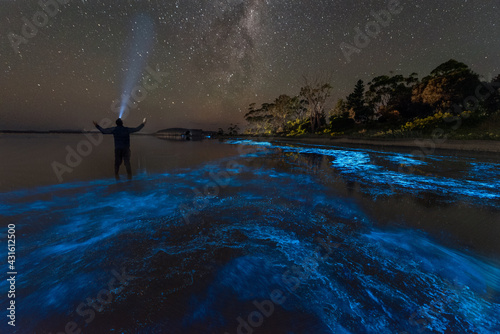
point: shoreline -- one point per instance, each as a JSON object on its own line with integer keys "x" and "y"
{"x": 484, "y": 146}
{"x": 488, "y": 146}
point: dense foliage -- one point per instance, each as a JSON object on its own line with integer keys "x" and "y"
{"x": 388, "y": 105}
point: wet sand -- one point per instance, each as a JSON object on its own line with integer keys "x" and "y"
{"x": 457, "y": 145}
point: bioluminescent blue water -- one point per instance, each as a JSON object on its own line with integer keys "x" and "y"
{"x": 388, "y": 172}
{"x": 279, "y": 239}
{"x": 140, "y": 46}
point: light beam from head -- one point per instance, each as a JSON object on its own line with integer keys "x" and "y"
{"x": 140, "y": 45}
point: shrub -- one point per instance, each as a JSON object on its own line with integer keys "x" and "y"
{"x": 341, "y": 123}
{"x": 298, "y": 127}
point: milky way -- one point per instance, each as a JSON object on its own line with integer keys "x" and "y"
{"x": 216, "y": 57}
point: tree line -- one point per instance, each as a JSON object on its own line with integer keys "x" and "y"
{"x": 388, "y": 101}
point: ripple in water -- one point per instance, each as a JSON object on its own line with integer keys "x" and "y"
{"x": 273, "y": 249}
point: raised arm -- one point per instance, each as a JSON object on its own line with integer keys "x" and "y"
{"x": 139, "y": 128}
{"x": 106, "y": 131}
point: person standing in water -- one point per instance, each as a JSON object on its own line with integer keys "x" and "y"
{"x": 121, "y": 135}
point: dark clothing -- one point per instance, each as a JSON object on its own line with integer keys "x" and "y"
{"x": 121, "y": 134}
{"x": 122, "y": 154}
{"x": 122, "y": 145}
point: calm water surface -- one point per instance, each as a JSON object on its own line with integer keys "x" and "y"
{"x": 251, "y": 237}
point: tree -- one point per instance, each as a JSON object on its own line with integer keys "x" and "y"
{"x": 356, "y": 102}
{"x": 315, "y": 96}
{"x": 259, "y": 119}
{"x": 448, "y": 85}
{"x": 282, "y": 110}
{"x": 232, "y": 130}
{"x": 388, "y": 96}
{"x": 492, "y": 91}
{"x": 300, "y": 108}
{"x": 340, "y": 109}
{"x": 341, "y": 119}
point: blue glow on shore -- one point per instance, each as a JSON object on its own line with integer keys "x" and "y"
{"x": 266, "y": 220}
{"x": 373, "y": 168}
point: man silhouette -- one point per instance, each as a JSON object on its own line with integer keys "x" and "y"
{"x": 121, "y": 135}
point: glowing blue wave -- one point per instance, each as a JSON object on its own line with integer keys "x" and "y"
{"x": 266, "y": 221}
{"x": 387, "y": 172}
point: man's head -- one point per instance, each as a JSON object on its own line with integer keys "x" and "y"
{"x": 119, "y": 122}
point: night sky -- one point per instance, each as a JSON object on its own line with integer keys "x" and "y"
{"x": 217, "y": 57}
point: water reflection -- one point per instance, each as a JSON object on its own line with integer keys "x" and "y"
{"x": 423, "y": 196}
{"x": 185, "y": 137}
{"x": 349, "y": 251}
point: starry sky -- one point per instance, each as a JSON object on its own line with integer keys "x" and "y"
{"x": 213, "y": 58}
